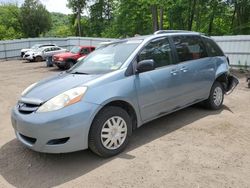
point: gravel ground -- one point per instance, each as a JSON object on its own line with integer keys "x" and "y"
{"x": 190, "y": 148}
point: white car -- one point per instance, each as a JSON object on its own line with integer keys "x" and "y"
{"x": 41, "y": 54}
{"x": 36, "y": 46}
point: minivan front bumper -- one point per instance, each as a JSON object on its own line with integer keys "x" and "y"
{"x": 60, "y": 131}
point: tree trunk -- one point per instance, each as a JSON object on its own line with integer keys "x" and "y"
{"x": 198, "y": 18}
{"x": 161, "y": 18}
{"x": 210, "y": 26}
{"x": 192, "y": 12}
{"x": 155, "y": 17}
{"x": 79, "y": 21}
{"x": 233, "y": 17}
{"x": 170, "y": 19}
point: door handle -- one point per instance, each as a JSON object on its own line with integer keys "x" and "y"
{"x": 174, "y": 72}
{"x": 183, "y": 69}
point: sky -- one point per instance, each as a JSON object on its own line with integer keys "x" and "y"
{"x": 51, "y": 5}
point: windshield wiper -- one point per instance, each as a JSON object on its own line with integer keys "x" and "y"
{"x": 77, "y": 72}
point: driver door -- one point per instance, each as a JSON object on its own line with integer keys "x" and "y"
{"x": 158, "y": 90}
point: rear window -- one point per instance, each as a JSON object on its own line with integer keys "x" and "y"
{"x": 189, "y": 48}
{"x": 212, "y": 48}
{"x": 85, "y": 51}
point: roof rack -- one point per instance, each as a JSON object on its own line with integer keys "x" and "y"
{"x": 172, "y": 31}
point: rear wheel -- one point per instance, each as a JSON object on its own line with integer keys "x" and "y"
{"x": 110, "y": 131}
{"x": 216, "y": 97}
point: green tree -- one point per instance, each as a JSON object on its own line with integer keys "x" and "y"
{"x": 61, "y": 26}
{"x": 130, "y": 18}
{"x": 35, "y": 18}
{"x": 10, "y": 27}
{"x": 101, "y": 14}
{"x": 77, "y": 7}
{"x": 241, "y": 16}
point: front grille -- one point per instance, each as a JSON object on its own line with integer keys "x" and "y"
{"x": 26, "y": 108}
{"x": 28, "y": 139}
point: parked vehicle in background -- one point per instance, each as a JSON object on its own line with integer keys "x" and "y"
{"x": 40, "y": 54}
{"x": 100, "y": 101}
{"x": 36, "y": 46}
{"x": 68, "y": 59}
{"x": 248, "y": 80}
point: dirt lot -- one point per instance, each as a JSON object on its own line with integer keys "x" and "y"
{"x": 190, "y": 148}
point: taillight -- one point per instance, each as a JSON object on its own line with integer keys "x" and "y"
{"x": 228, "y": 60}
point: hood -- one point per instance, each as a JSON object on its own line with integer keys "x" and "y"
{"x": 25, "y": 50}
{"x": 65, "y": 55}
{"x": 30, "y": 52}
{"x": 51, "y": 87}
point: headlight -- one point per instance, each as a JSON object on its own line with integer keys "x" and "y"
{"x": 28, "y": 89}
{"x": 65, "y": 99}
{"x": 60, "y": 59}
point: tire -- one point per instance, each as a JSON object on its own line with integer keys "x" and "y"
{"x": 104, "y": 139}
{"x": 38, "y": 58}
{"x": 69, "y": 64}
{"x": 60, "y": 67}
{"x": 216, "y": 97}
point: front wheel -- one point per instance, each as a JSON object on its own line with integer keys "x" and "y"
{"x": 216, "y": 97}
{"x": 110, "y": 131}
{"x": 38, "y": 58}
{"x": 69, "y": 64}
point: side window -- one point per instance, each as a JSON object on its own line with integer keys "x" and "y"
{"x": 189, "y": 48}
{"x": 212, "y": 48}
{"x": 159, "y": 50}
{"x": 55, "y": 49}
{"x": 84, "y": 51}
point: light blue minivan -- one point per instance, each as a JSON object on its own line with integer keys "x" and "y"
{"x": 100, "y": 101}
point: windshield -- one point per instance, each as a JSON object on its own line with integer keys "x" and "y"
{"x": 38, "y": 49}
{"x": 106, "y": 59}
{"x": 75, "y": 50}
{"x": 35, "y": 46}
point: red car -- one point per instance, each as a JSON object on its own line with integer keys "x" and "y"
{"x": 68, "y": 59}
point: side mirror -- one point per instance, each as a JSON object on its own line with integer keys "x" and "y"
{"x": 145, "y": 65}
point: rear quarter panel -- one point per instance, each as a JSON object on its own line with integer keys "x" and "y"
{"x": 221, "y": 66}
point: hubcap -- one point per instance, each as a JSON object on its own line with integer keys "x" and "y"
{"x": 217, "y": 96}
{"x": 114, "y": 132}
